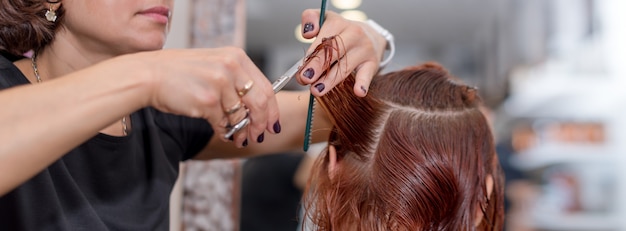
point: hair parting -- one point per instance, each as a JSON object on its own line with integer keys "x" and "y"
{"x": 414, "y": 154}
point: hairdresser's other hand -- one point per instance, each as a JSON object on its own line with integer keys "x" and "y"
{"x": 204, "y": 83}
{"x": 360, "y": 49}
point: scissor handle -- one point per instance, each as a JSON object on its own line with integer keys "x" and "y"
{"x": 243, "y": 123}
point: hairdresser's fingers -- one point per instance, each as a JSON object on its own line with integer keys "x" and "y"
{"x": 234, "y": 82}
{"x": 364, "y": 74}
{"x": 186, "y": 82}
{"x": 255, "y": 92}
{"x": 208, "y": 103}
{"x": 235, "y": 111}
{"x": 333, "y": 23}
{"x": 218, "y": 120}
{"x": 318, "y": 60}
{"x": 332, "y": 76}
{"x": 360, "y": 57}
{"x": 204, "y": 83}
{"x": 229, "y": 77}
{"x": 310, "y": 23}
{"x": 349, "y": 37}
{"x": 262, "y": 103}
{"x": 364, "y": 70}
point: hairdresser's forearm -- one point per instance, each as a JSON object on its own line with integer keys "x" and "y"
{"x": 293, "y": 112}
{"x": 41, "y": 122}
{"x": 294, "y": 116}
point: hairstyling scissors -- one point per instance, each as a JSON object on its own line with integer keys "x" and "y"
{"x": 277, "y": 85}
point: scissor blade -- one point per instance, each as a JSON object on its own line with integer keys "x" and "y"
{"x": 284, "y": 79}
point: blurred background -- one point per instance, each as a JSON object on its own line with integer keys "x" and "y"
{"x": 552, "y": 74}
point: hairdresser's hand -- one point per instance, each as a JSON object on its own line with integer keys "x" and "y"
{"x": 204, "y": 83}
{"x": 358, "y": 47}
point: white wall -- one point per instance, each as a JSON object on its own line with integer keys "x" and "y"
{"x": 181, "y": 23}
{"x": 178, "y": 37}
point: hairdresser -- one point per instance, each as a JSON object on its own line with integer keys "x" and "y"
{"x": 96, "y": 118}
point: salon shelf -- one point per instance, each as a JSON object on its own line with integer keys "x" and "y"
{"x": 549, "y": 154}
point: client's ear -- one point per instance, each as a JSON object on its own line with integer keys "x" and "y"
{"x": 332, "y": 161}
{"x": 479, "y": 212}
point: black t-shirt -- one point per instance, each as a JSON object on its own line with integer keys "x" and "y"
{"x": 107, "y": 183}
{"x": 269, "y": 198}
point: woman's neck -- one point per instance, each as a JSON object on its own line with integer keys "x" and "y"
{"x": 64, "y": 56}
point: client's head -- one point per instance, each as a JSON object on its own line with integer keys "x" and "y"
{"x": 415, "y": 154}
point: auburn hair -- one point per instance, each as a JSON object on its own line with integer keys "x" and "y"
{"x": 23, "y": 25}
{"x": 414, "y": 154}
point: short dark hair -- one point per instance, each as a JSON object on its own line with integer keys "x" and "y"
{"x": 24, "y": 27}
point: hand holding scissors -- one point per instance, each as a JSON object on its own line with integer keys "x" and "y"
{"x": 278, "y": 85}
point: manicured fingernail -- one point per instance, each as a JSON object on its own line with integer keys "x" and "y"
{"x": 277, "y": 127}
{"x": 309, "y": 72}
{"x": 320, "y": 87}
{"x": 245, "y": 143}
{"x": 260, "y": 138}
{"x": 363, "y": 89}
{"x": 307, "y": 27}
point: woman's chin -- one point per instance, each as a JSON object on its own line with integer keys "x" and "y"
{"x": 150, "y": 45}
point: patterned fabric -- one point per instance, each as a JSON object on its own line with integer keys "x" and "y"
{"x": 217, "y": 23}
{"x": 211, "y": 188}
{"x": 211, "y": 193}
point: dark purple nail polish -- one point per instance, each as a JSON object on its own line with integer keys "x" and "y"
{"x": 245, "y": 143}
{"x": 307, "y": 27}
{"x": 277, "y": 127}
{"x": 320, "y": 87}
{"x": 260, "y": 138}
{"x": 363, "y": 89}
{"x": 309, "y": 73}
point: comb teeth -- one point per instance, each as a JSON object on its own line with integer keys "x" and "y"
{"x": 309, "y": 117}
{"x": 309, "y": 123}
